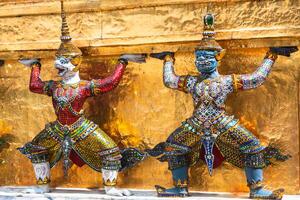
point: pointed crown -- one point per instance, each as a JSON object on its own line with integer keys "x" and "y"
{"x": 208, "y": 41}
{"x": 66, "y": 48}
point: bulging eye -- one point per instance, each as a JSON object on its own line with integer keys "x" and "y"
{"x": 63, "y": 62}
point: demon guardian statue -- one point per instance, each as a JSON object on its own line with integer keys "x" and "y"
{"x": 210, "y": 133}
{"x": 72, "y": 137}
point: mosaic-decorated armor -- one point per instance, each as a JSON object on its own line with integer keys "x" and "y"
{"x": 71, "y": 129}
{"x": 72, "y": 137}
{"x": 210, "y": 133}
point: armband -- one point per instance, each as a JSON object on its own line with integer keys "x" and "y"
{"x": 47, "y": 87}
{"x": 182, "y": 83}
{"x": 236, "y": 82}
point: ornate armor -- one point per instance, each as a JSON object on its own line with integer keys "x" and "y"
{"x": 72, "y": 137}
{"x": 211, "y": 134}
{"x": 210, "y": 125}
{"x": 85, "y": 139}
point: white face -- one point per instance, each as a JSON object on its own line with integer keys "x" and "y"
{"x": 65, "y": 67}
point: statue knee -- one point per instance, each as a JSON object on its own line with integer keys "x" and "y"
{"x": 176, "y": 162}
{"x": 111, "y": 158}
{"x": 255, "y": 160}
{"x": 252, "y": 146}
{"x": 36, "y": 153}
{"x": 176, "y": 149}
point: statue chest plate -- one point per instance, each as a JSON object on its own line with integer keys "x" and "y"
{"x": 210, "y": 91}
{"x": 64, "y": 97}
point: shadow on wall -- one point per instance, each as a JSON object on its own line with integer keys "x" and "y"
{"x": 101, "y": 109}
{"x": 5, "y": 138}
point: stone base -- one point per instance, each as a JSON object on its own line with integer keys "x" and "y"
{"x": 90, "y": 194}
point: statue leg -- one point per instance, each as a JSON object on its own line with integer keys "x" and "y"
{"x": 110, "y": 167}
{"x": 242, "y": 149}
{"x": 102, "y": 154}
{"x": 110, "y": 181}
{"x": 42, "y": 174}
{"x": 39, "y": 157}
{"x": 254, "y": 163}
{"x": 254, "y": 176}
{"x": 177, "y": 151}
{"x": 180, "y": 180}
{"x": 43, "y": 151}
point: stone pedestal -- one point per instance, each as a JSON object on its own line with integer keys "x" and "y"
{"x": 93, "y": 194}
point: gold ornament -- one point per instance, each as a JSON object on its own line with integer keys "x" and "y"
{"x": 66, "y": 48}
{"x": 220, "y": 55}
{"x": 208, "y": 41}
{"x": 110, "y": 182}
{"x": 42, "y": 182}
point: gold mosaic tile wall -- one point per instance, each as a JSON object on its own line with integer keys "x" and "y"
{"x": 142, "y": 112}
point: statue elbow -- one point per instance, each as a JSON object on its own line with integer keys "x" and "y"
{"x": 167, "y": 84}
{"x": 170, "y": 84}
{"x": 258, "y": 81}
{"x": 33, "y": 88}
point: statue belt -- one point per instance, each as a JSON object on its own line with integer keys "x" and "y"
{"x": 209, "y": 130}
{"x": 76, "y": 131}
{"x": 71, "y": 127}
{"x": 214, "y": 126}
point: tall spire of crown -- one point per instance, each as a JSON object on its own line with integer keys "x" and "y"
{"x": 65, "y": 34}
{"x": 208, "y": 41}
{"x": 66, "y": 48}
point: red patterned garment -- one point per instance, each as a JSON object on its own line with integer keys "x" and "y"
{"x": 68, "y": 100}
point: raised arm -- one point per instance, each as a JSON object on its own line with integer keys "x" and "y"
{"x": 36, "y": 85}
{"x": 258, "y": 77}
{"x": 170, "y": 79}
{"x": 109, "y": 83}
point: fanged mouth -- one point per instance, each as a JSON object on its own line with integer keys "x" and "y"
{"x": 206, "y": 65}
{"x": 60, "y": 70}
{"x": 203, "y": 62}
